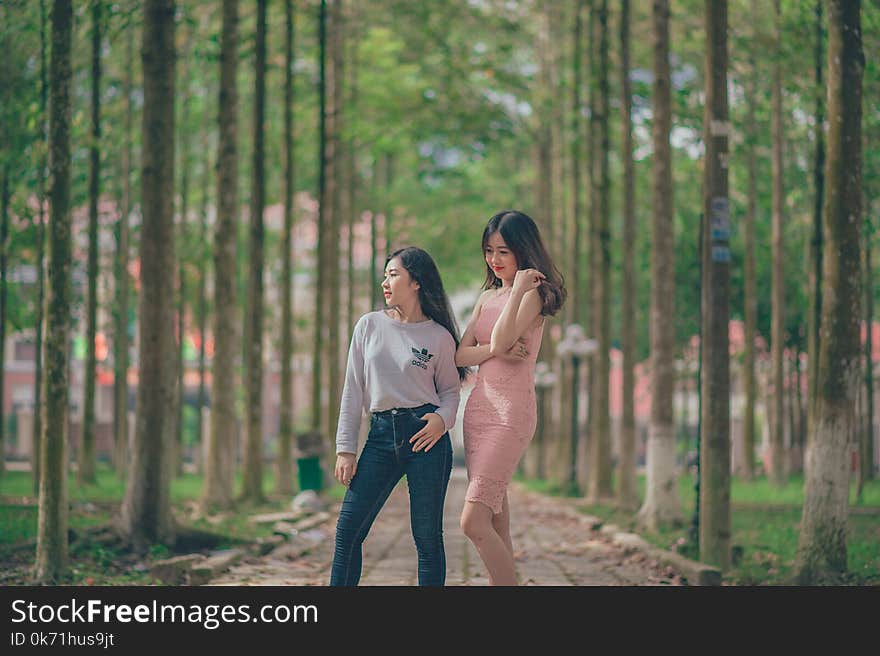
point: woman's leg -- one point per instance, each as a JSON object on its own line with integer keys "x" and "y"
{"x": 377, "y": 474}
{"x": 427, "y": 476}
{"x": 477, "y": 524}
{"x": 501, "y": 524}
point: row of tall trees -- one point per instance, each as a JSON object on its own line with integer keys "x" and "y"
{"x": 417, "y": 127}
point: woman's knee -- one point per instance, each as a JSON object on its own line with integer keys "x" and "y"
{"x": 475, "y": 524}
{"x": 347, "y": 532}
{"x": 428, "y": 541}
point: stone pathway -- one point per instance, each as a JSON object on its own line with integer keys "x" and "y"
{"x": 554, "y": 546}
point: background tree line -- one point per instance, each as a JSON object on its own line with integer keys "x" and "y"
{"x": 408, "y": 123}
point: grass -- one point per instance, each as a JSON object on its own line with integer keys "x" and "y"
{"x": 93, "y": 563}
{"x": 764, "y": 523}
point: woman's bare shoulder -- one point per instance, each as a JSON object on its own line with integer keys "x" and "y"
{"x": 482, "y": 298}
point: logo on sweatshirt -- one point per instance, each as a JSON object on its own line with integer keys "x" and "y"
{"x": 422, "y": 358}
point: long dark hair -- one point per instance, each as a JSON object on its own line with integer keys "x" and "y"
{"x": 432, "y": 297}
{"x": 523, "y": 239}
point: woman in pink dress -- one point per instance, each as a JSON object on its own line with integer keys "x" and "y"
{"x": 504, "y": 336}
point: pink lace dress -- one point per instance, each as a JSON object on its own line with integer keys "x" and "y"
{"x": 501, "y": 413}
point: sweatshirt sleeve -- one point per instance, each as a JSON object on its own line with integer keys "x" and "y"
{"x": 448, "y": 383}
{"x": 353, "y": 394}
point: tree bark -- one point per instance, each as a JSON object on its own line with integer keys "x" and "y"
{"x": 815, "y": 316}
{"x": 715, "y": 423}
{"x": 146, "y": 508}
{"x": 51, "y": 556}
{"x": 777, "y": 337}
{"x": 352, "y": 179}
{"x": 180, "y": 394}
{"x": 4, "y": 254}
{"x": 284, "y": 483}
{"x": 576, "y": 144}
{"x": 822, "y": 553}
{"x": 41, "y": 261}
{"x": 203, "y": 308}
{"x": 544, "y": 134}
{"x": 253, "y": 451}
{"x": 749, "y": 293}
{"x": 220, "y": 465}
{"x": 600, "y": 453}
{"x": 86, "y": 455}
{"x": 590, "y": 308}
{"x": 321, "y": 247}
{"x": 627, "y": 491}
{"x": 661, "y": 506}
{"x": 866, "y": 452}
{"x": 120, "y": 315}
{"x": 333, "y": 219}
{"x": 374, "y": 234}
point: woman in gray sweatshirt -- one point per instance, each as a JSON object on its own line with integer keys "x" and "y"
{"x": 401, "y": 370}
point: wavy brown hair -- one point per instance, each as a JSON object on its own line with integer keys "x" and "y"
{"x": 522, "y": 237}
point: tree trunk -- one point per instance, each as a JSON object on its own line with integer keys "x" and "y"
{"x": 661, "y": 506}
{"x": 180, "y": 395}
{"x": 590, "y": 150}
{"x": 374, "y": 235}
{"x": 576, "y": 473}
{"x": 815, "y": 316}
{"x": 4, "y": 251}
{"x": 352, "y": 179}
{"x": 556, "y": 220}
{"x": 332, "y": 195}
{"x": 592, "y": 231}
{"x": 576, "y": 191}
{"x": 600, "y": 454}
{"x": 799, "y": 436}
{"x": 389, "y": 205}
{"x": 253, "y": 451}
{"x": 86, "y": 455}
{"x": 321, "y": 247}
{"x": 51, "y": 556}
{"x": 777, "y": 338}
{"x": 791, "y": 383}
{"x": 146, "y": 509}
{"x": 821, "y": 556}
{"x": 220, "y": 465}
{"x": 202, "y": 307}
{"x": 627, "y": 492}
{"x": 41, "y": 263}
{"x": 715, "y": 424}
{"x": 284, "y": 483}
{"x": 749, "y": 293}
{"x": 120, "y": 311}
{"x": 866, "y": 453}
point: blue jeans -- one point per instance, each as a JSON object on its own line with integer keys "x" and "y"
{"x": 386, "y": 457}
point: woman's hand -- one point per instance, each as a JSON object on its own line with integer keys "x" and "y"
{"x": 346, "y": 466}
{"x": 428, "y": 436}
{"x": 527, "y": 279}
{"x": 518, "y": 352}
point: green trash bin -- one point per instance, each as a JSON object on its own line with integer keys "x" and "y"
{"x": 309, "y": 473}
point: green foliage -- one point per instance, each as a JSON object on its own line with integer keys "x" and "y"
{"x": 159, "y": 552}
{"x": 452, "y": 91}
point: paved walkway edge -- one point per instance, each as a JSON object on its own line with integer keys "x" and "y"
{"x": 694, "y": 572}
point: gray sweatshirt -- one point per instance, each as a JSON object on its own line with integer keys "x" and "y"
{"x": 392, "y": 364}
